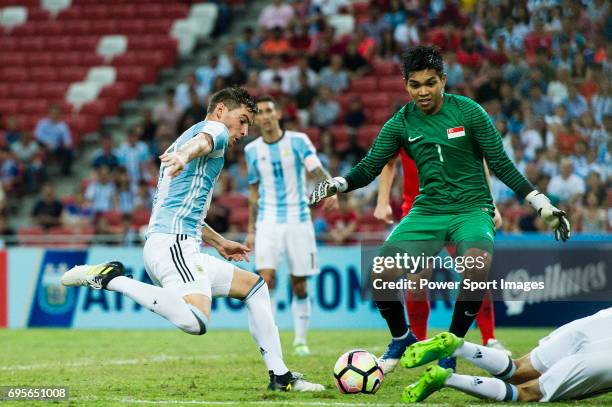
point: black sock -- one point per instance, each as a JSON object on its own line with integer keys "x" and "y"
{"x": 393, "y": 313}
{"x": 463, "y": 316}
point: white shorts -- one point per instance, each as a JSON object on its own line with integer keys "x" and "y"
{"x": 576, "y": 359}
{"x": 297, "y": 240}
{"x": 175, "y": 261}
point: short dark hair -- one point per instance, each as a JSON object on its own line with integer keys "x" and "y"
{"x": 420, "y": 58}
{"x": 266, "y": 98}
{"x": 232, "y": 97}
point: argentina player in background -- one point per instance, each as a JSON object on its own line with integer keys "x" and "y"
{"x": 186, "y": 279}
{"x": 279, "y": 217}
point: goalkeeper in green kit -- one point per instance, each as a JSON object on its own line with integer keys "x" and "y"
{"x": 447, "y": 136}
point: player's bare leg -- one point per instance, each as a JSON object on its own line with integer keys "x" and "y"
{"x": 525, "y": 371}
{"x": 252, "y": 289}
{"x": 300, "y": 307}
{"x": 392, "y": 310}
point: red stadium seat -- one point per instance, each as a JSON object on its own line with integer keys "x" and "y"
{"x": 44, "y": 74}
{"x": 38, "y": 14}
{"x": 9, "y": 107}
{"x": 14, "y": 59}
{"x": 123, "y": 11}
{"x": 376, "y": 100}
{"x": 95, "y": 13}
{"x": 104, "y": 27}
{"x": 120, "y": 90}
{"x": 239, "y": 216}
{"x": 136, "y": 74}
{"x": 364, "y": 85}
{"x": 366, "y": 135}
{"x": 175, "y": 10}
{"x": 68, "y": 59}
{"x": 27, "y": 236}
{"x": 31, "y": 44}
{"x": 150, "y": 11}
{"x": 131, "y": 27}
{"x": 44, "y": 28}
{"x": 70, "y": 13}
{"x": 86, "y": 43}
{"x": 8, "y": 43}
{"x": 24, "y": 90}
{"x": 232, "y": 200}
{"x": 61, "y": 43}
{"x": 34, "y": 107}
{"x": 141, "y": 217}
{"x": 314, "y": 134}
{"x": 77, "y": 27}
{"x": 40, "y": 58}
{"x": 391, "y": 83}
{"x": 53, "y": 90}
{"x": 4, "y": 90}
{"x": 339, "y": 133}
{"x": 386, "y": 68}
{"x": 11, "y": 74}
{"x": 160, "y": 25}
{"x": 25, "y": 30}
{"x": 91, "y": 59}
{"x": 72, "y": 74}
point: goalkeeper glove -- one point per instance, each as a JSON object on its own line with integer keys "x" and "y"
{"x": 552, "y": 216}
{"x": 327, "y": 188}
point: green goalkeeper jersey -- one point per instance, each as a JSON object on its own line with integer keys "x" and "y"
{"x": 448, "y": 148}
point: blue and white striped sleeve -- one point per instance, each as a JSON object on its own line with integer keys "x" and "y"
{"x": 250, "y": 153}
{"x": 218, "y": 132}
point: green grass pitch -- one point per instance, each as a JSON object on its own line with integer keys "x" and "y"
{"x": 168, "y": 367}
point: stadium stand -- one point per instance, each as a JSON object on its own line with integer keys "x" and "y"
{"x": 494, "y": 55}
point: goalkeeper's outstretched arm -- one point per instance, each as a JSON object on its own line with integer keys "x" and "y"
{"x": 384, "y": 148}
{"x": 489, "y": 141}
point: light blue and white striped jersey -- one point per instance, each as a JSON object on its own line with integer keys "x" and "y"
{"x": 181, "y": 203}
{"x": 279, "y": 169}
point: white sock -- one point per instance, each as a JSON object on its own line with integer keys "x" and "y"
{"x": 163, "y": 301}
{"x": 494, "y": 361}
{"x": 301, "y": 317}
{"x": 273, "y": 303}
{"x": 263, "y": 329}
{"x": 483, "y": 387}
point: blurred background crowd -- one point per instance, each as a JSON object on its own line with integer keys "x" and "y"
{"x": 540, "y": 68}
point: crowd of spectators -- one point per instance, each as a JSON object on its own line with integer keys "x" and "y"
{"x": 541, "y": 69}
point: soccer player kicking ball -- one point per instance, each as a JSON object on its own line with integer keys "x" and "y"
{"x": 447, "y": 136}
{"x": 573, "y": 362}
{"x": 279, "y": 217}
{"x": 187, "y": 279}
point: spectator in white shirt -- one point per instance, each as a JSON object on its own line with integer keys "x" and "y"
{"x": 133, "y": 154}
{"x": 276, "y": 14}
{"x": 566, "y": 185}
{"x": 55, "y": 136}
{"x": 407, "y": 33}
{"x": 275, "y": 71}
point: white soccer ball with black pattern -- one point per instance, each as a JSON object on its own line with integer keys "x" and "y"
{"x": 357, "y": 371}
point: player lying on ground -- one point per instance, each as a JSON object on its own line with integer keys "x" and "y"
{"x": 417, "y": 300}
{"x": 447, "y": 136}
{"x": 279, "y": 217}
{"x": 573, "y": 362}
{"x": 187, "y": 279}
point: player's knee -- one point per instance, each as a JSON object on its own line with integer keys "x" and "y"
{"x": 298, "y": 287}
{"x": 269, "y": 278}
{"x": 198, "y": 325}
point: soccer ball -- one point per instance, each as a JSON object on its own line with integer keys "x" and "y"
{"x": 357, "y": 371}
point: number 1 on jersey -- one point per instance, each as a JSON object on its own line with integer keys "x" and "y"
{"x": 440, "y": 153}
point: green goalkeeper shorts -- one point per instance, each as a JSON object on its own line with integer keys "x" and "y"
{"x": 419, "y": 233}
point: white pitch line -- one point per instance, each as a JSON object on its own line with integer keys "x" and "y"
{"x": 238, "y": 402}
{"x": 113, "y": 362}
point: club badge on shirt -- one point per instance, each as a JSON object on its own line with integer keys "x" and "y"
{"x": 456, "y": 132}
